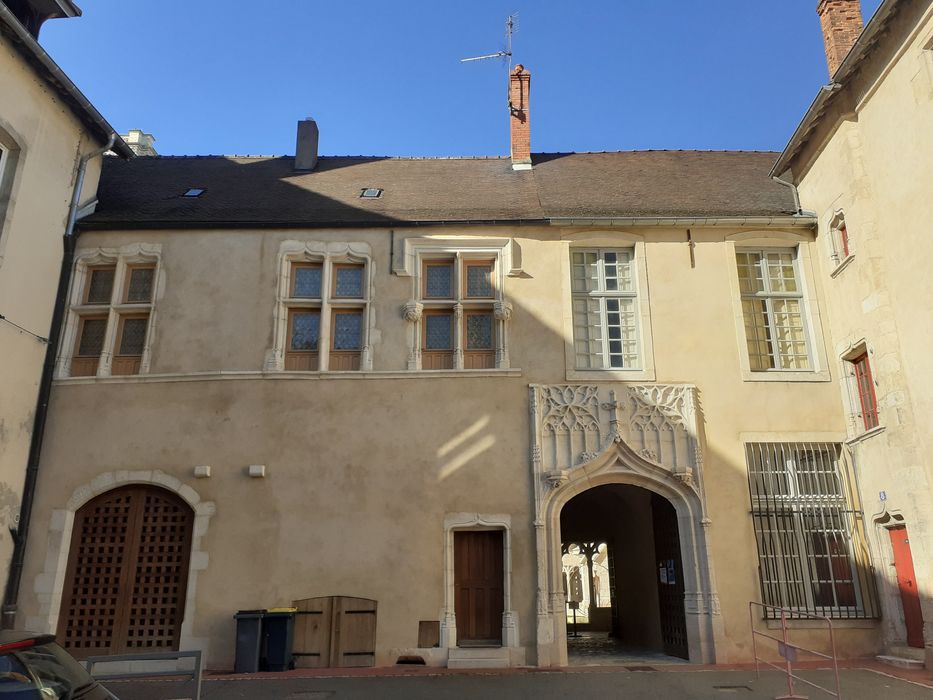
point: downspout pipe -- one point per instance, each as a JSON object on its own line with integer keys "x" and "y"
{"x": 793, "y": 188}
{"x": 21, "y": 533}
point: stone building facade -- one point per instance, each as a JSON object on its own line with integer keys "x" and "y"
{"x": 410, "y": 383}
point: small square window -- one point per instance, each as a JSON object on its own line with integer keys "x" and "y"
{"x": 348, "y": 281}
{"x": 99, "y": 285}
{"x": 139, "y": 287}
{"x": 306, "y": 281}
{"x": 439, "y": 280}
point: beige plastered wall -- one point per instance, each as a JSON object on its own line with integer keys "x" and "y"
{"x": 363, "y": 468}
{"x": 877, "y": 170}
{"x": 46, "y": 141}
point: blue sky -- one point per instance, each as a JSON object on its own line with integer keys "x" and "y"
{"x": 384, "y": 78}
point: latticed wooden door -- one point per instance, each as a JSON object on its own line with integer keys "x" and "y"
{"x": 670, "y": 578}
{"x": 127, "y": 573}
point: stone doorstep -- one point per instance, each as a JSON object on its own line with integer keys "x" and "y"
{"x": 478, "y": 657}
{"x": 901, "y": 662}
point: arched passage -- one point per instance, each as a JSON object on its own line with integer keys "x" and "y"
{"x": 126, "y": 581}
{"x": 623, "y": 546}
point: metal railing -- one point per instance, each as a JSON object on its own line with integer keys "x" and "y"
{"x": 789, "y": 651}
{"x": 194, "y": 674}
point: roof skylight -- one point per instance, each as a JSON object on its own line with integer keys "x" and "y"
{"x": 371, "y": 193}
{"x": 194, "y": 192}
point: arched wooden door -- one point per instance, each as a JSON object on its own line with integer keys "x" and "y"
{"x": 127, "y": 573}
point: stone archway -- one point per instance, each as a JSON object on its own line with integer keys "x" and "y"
{"x": 49, "y": 584}
{"x": 581, "y": 441}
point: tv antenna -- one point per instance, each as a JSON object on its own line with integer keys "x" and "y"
{"x": 506, "y": 53}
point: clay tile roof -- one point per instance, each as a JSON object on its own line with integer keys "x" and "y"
{"x": 253, "y": 191}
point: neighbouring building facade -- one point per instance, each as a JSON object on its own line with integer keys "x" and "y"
{"x": 396, "y": 392}
{"x": 51, "y": 144}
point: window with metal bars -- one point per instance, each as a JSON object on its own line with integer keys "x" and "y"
{"x": 812, "y": 556}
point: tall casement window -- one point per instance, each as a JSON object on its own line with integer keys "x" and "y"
{"x": 861, "y": 377}
{"x": 605, "y": 327}
{"x": 108, "y": 329}
{"x": 324, "y": 297}
{"x": 773, "y": 310}
{"x": 840, "y": 242}
{"x": 808, "y": 525}
{"x": 7, "y": 165}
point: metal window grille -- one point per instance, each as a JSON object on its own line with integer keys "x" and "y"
{"x": 809, "y": 527}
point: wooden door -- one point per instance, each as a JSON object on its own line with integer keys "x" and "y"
{"x": 670, "y": 577}
{"x": 907, "y": 584}
{"x": 335, "y": 632}
{"x": 127, "y": 575}
{"x": 478, "y": 586}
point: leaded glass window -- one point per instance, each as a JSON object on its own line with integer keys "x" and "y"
{"x": 348, "y": 327}
{"x": 479, "y": 280}
{"x": 93, "y": 331}
{"x": 479, "y": 331}
{"x": 307, "y": 281}
{"x": 439, "y": 280}
{"x": 604, "y": 305}
{"x": 305, "y": 330}
{"x": 139, "y": 287}
{"x": 772, "y": 307}
{"x": 348, "y": 281}
{"x": 438, "y": 334}
{"x": 133, "y": 338}
{"x": 100, "y": 285}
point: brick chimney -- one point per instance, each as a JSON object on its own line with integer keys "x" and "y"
{"x": 842, "y": 23}
{"x": 519, "y": 126}
{"x": 306, "y": 145}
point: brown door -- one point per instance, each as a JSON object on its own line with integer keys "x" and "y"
{"x": 127, "y": 573}
{"x": 907, "y": 583}
{"x": 335, "y": 632}
{"x": 670, "y": 577}
{"x": 478, "y": 585}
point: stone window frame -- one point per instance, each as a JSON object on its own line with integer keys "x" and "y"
{"x": 819, "y": 372}
{"x": 123, "y": 259}
{"x": 328, "y": 254}
{"x": 840, "y": 242}
{"x": 506, "y": 258}
{"x": 851, "y": 396}
{"x": 11, "y": 153}
{"x": 49, "y": 584}
{"x": 596, "y": 239}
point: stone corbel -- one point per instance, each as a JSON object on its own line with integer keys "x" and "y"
{"x": 412, "y": 312}
{"x": 557, "y": 477}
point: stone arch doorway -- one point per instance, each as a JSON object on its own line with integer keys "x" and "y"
{"x": 126, "y": 581}
{"x": 635, "y": 537}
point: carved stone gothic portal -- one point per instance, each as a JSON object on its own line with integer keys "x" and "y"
{"x": 645, "y": 435}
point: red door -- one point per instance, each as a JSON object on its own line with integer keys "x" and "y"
{"x": 907, "y": 583}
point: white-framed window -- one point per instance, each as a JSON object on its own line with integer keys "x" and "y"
{"x": 108, "y": 330}
{"x": 605, "y": 308}
{"x": 812, "y": 553}
{"x": 458, "y": 313}
{"x": 323, "y": 308}
{"x": 773, "y": 310}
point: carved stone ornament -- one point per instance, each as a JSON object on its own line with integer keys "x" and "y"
{"x": 412, "y": 311}
{"x": 502, "y": 310}
{"x": 568, "y": 408}
{"x": 557, "y": 478}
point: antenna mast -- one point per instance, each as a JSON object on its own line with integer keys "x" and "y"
{"x": 507, "y": 52}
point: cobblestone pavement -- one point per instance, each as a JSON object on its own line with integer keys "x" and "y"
{"x": 857, "y": 684}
